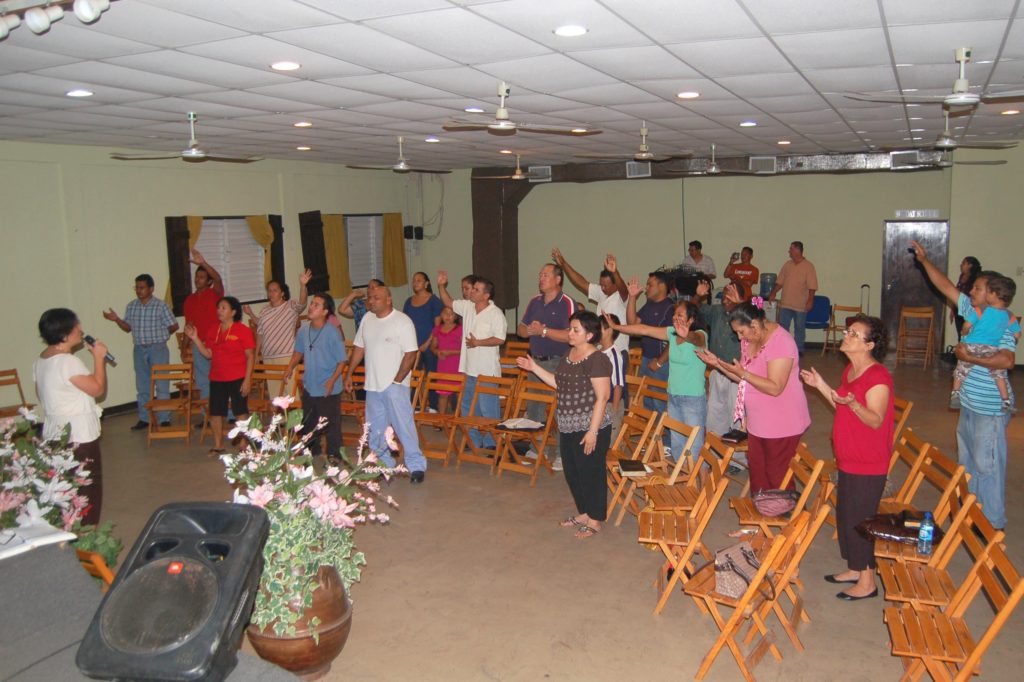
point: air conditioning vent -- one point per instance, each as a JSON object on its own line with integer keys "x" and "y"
{"x": 763, "y": 164}
{"x": 907, "y": 159}
{"x": 539, "y": 173}
{"x": 638, "y": 169}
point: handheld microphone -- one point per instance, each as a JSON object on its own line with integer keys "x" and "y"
{"x": 92, "y": 342}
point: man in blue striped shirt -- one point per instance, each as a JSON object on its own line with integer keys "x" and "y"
{"x": 151, "y": 323}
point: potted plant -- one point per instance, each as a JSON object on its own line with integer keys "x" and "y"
{"x": 40, "y": 482}
{"x": 302, "y": 615}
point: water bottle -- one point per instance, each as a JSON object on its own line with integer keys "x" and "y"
{"x": 925, "y": 534}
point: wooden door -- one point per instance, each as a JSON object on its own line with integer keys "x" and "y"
{"x": 903, "y": 280}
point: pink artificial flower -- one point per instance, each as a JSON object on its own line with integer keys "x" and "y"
{"x": 68, "y": 517}
{"x": 322, "y": 499}
{"x": 10, "y": 500}
{"x": 283, "y": 401}
{"x": 261, "y": 495}
{"x": 389, "y": 438}
{"x": 340, "y": 517}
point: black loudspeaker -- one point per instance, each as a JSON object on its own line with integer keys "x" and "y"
{"x": 182, "y": 598}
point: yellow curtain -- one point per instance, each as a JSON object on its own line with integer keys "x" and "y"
{"x": 394, "y": 251}
{"x": 336, "y": 251}
{"x": 263, "y": 233}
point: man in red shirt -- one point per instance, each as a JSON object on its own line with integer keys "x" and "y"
{"x": 744, "y": 272}
{"x": 201, "y": 313}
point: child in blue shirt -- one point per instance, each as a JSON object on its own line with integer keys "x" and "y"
{"x": 987, "y": 327}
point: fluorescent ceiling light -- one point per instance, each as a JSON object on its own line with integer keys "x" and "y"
{"x": 285, "y": 66}
{"x": 505, "y": 151}
{"x": 473, "y": 110}
{"x": 784, "y": 142}
{"x": 1010, "y": 112}
{"x": 748, "y": 124}
{"x": 432, "y": 139}
{"x": 571, "y": 31}
{"x": 304, "y": 149}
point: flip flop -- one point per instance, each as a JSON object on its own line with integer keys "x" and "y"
{"x": 742, "y": 532}
{"x": 570, "y": 522}
{"x": 586, "y": 531}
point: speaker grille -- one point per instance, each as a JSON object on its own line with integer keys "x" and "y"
{"x": 160, "y": 606}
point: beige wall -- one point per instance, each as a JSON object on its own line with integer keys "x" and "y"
{"x": 78, "y": 227}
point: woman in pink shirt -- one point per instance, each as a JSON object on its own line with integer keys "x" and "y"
{"x": 862, "y": 440}
{"x": 770, "y": 397}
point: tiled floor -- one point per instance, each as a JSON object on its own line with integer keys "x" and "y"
{"x": 474, "y": 580}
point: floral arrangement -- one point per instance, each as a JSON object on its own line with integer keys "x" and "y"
{"x": 312, "y": 514}
{"x": 40, "y": 482}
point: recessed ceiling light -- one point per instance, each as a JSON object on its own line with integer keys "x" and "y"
{"x": 783, "y": 142}
{"x": 79, "y": 92}
{"x": 748, "y": 124}
{"x": 504, "y": 151}
{"x": 473, "y": 110}
{"x": 303, "y": 124}
{"x": 1010, "y": 112}
{"x": 431, "y": 139}
{"x": 571, "y": 31}
{"x": 304, "y": 149}
{"x": 578, "y": 131}
{"x": 688, "y": 94}
{"x": 285, "y": 66}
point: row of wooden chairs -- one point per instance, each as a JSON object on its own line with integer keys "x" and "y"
{"x": 9, "y": 378}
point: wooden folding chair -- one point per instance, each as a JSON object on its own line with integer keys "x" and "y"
{"x": 636, "y": 357}
{"x": 517, "y": 349}
{"x": 938, "y": 470}
{"x": 901, "y": 413}
{"x": 837, "y": 325}
{"x": 915, "y": 339}
{"x": 463, "y": 425}
{"x": 437, "y": 381}
{"x": 806, "y": 471}
{"x": 95, "y": 566}
{"x": 679, "y": 535}
{"x": 509, "y": 458}
{"x": 510, "y": 369}
{"x": 941, "y": 643}
{"x": 259, "y": 400}
{"x": 748, "y": 608}
{"x": 929, "y": 586}
{"x": 655, "y": 459}
{"x": 959, "y": 503}
{"x": 351, "y": 404}
{"x": 634, "y": 384}
{"x": 180, "y": 406}
{"x": 9, "y": 377}
{"x": 681, "y": 496}
{"x": 632, "y": 443}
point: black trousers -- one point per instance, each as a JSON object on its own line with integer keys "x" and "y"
{"x": 329, "y": 407}
{"x": 90, "y": 454}
{"x": 858, "y": 498}
{"x": 586, "y": 474}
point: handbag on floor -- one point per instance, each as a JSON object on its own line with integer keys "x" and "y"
{"x": 775, "y": 502}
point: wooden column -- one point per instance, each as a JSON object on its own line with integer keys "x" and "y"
{"x": 496, "y": 234}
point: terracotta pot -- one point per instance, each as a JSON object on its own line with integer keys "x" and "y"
{"x": 299, "y": 653}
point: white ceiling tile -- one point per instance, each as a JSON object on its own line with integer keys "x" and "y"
{"x": 935, "y": 11}
{"x": 471, "y": 83}
{"x": 537, "y": 20}
{"x": 652, "y": 110}
{"x": 101, "y": 73}
{"x": 256, "y": 16}
{"x": 166, "y": 29}
{"x": 934, "y": 43}
{"x": 260, "y": 52}
{"x": 732, "y": 57}
{"x": 205, "y": 109}
{"x": 806, "y": 16}
{"x": 761, "y": 85}
{"x": 413, "y": 111}
{"x": 193, "y": 67}
{"x": 635, "y": 63}
{"x": 608, "y": 95}
{"x": 857, "y": 79}
{"x": 551, "y": 73}
{"x": 364, "y": 46}
{"x": 358, "y": 10}
{"x": 56, "y": 87}
{"x": 671, "y": 21}
{"x": 598, "y": 115}
{"x": 74, "y": 41}
{"x": 860, "y": 47}
{"x": 458, "y": 35}
{"x": 321, "y": 94}
{"x": 36, "y": 101}
{"x": 253, "y": 101}
{"x": 542, "y": 104}
{"x": 669, "y": 88}
{"x": 790, "y": 103}
{"x": 16, "y": 58}
{"x": 387, "y": 85}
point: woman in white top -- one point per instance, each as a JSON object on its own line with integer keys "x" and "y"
{"x": 67, "y": 393}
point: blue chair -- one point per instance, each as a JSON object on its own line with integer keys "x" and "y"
{"x": 820, "y": 313}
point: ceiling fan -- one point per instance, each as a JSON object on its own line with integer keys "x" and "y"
{"x": 713, "y": 168}
{"x": 502, "y": 124}
{"x": 192, "y": 153}
{"x": 644, "y": 153}
{"x": 946, "y": 161}
{"x": 960, "y": 96}
{"x": 946, "y": 142}
{"x": 402, "y": 165}
{"x": 517, "y": 174}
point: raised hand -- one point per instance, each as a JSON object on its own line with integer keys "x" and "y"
{"x": 556, "y": 255}
{"x": 442, "y": 278}
{"x": 610, "y": 263}
{"x": 813, "y": 379}
{"x": 526, "y": 362}
{"x": 306, "y": 276}
{"x": 633, "y": 286}
{"x": 703, "y": 288}
{"x": 247, "y": 309}
{"x": 190, "y": 331}
{"x": 843, "y": 399}
{"x": 707, "y": 357}
{"x": 919, "y": 252}
{"x": 110, "y": 315}
{"x": 197, "y": 257}
{"x": 611, "y": 322}
{"x": 732, "y": 295}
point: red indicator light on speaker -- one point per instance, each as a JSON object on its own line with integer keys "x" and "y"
{"x": 175, "y": 567}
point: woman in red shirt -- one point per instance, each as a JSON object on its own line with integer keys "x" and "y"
{"x": 231, "y": 348}
{"x": 862, "y": 440}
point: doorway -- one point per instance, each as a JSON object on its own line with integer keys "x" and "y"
{"x": 904, "y": 282}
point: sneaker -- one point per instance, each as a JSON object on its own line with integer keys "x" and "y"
{"x": 140, "y": 425}
{"x": 954, "y": 400}
{"x": 668, "y": 454}
{"x": 557, "y": 464}
{"x": 531, "y": 454}
{"x": 431, "y": 410}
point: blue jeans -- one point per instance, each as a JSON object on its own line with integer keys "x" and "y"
{"x": 201, "y": 372}
{"x": 487, "y": 405}
{"x": 692, "y": 410}
{"x": 145, "y": 356}
{"x": 981, "y": 447}
{"x": 392, "y": 407}
{"x": 799, "y": 319}
{"x": 662, "y": 375}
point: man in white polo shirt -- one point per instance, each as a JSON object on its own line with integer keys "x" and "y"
{"x": 609, "y": 293}
{"x": 387, "y": 338}
{"x": 483, "y": 331}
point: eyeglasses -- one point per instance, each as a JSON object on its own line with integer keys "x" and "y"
{"x": 854, "y": 334}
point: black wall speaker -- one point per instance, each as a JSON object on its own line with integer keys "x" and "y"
{"x": 182, "y": 598}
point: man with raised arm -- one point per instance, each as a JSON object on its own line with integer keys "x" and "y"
{"x": 387, "y": 339}
{"x": 483, "y": 331}
{"x": 201, "y": 313}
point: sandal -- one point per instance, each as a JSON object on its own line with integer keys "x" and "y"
{"x": 742, "y": 532}
{"x": 586, "y": 531}
{"x": 570, "y": 522}
{"x": 216, "y": 452}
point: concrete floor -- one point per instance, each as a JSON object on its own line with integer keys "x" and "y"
{"x": 474, "y": 580}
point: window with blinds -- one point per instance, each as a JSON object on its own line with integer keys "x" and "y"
{"x": 227, "y": 244}
{"x": 365, "y": 237}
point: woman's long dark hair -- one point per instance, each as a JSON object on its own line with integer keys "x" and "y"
{"x": 965, "y": 285}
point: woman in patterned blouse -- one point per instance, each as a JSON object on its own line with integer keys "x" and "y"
{"x": 582, "y": 382}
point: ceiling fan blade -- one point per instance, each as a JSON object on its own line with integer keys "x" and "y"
{"x": 996, "y": 96}
{"x": 605, "y": 157}
{"x": 429, "y": 170}
{"x": 1000, "y": 162}
{"x": 144, "y": 157}
{"x": 895, "y": 99}
{"x": 987, "y": 145}
{"x": 456, "y": 126}
{"x": 387, "y": 168}
{"x": 552, "y": 130}
{"x": 233, "y": 159}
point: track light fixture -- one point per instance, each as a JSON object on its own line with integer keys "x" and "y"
{"x": 39, "y": 15}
